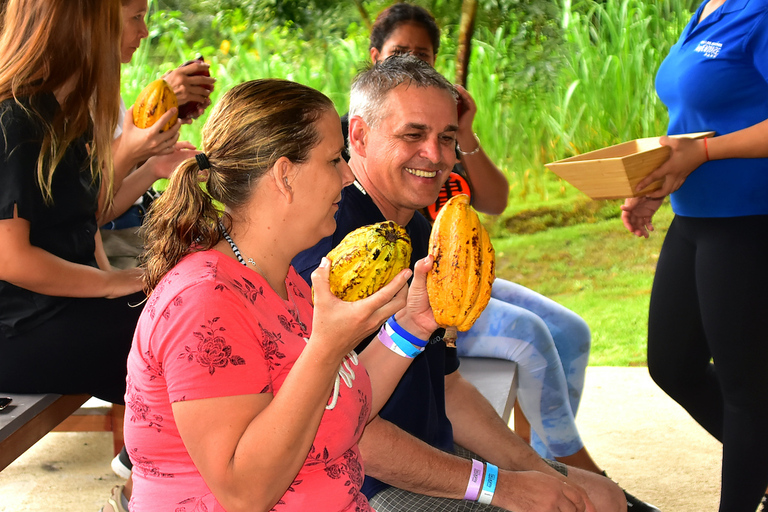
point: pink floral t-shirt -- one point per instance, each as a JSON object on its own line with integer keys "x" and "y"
{"x": 215, "y": 328}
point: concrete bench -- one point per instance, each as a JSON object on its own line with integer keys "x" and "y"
{"x": 30, "y": 417}
{"x": 496, "y": 379}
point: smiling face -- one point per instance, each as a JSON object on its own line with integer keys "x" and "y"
{"x": 317, "y": 183}
{"x": 134, "y": 28}
{"x": 409, "y": 154}
{"x": 407, "y": 37}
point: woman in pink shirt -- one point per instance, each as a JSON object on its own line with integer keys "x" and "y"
{"x": 243, "y": 390}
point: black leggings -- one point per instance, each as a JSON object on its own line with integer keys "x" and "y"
{"x": 82, "y": 349}
{"x": 708, "y": 341}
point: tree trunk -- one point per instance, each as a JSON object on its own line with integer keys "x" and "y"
{"x": 364, "y": 14}
{"x": 466, "y": 29}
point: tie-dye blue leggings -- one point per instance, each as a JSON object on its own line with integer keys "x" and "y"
{"x": 550, "y": 344}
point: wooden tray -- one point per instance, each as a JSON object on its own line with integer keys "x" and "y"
{"x": 613, "y": 172}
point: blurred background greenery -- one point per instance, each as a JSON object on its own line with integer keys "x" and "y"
{"x": 552, "y": 78}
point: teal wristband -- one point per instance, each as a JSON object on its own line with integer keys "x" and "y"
{"x": 418, "y": 342}
{"x": 489, "y": 484}
{"x": 404, "y": 345}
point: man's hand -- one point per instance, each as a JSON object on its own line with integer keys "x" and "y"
{"x": 533, "y": 491}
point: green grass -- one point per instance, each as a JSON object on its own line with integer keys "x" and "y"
{"x": 600, "y": 271}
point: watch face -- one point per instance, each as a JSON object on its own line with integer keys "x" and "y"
{"x": 5, "y": 402}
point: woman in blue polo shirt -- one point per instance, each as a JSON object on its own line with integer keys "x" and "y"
{"x": 707, "y": 345}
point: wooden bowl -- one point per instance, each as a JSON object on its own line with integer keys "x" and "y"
{"x": 613, "y": 172}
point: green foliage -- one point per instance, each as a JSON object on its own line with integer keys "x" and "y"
{"x": 551, "y": 78}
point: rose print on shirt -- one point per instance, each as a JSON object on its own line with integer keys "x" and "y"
{"x": 152, "y": 301}
{"x": 177, "y": 301}
{"x": 146, "y": 467}
{"x": 291, "y": 488}
{"x": 348, "y": 467}
{"x": 249, "y": 290}
{"x": 212, "y": 350}
{"x": 154, "y": 367}
{"x": 269, "y": 344}
{"x": 142, "y": 412}
{"x": 293, "y": 323}
{"x": 139, "y": 410}
{"x": 365, "y": 411}
{"x": 196, "y": 502}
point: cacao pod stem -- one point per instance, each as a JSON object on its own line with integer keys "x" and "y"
{"x": 450, "y": 336}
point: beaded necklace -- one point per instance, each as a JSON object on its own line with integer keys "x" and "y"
{"x": 345, "y": 372}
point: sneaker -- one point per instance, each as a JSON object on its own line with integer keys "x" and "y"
{"x": 122, "y": 465}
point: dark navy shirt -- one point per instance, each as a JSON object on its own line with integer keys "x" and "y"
{"x": 716, "y": 78}
{"x": 418, "y": 403}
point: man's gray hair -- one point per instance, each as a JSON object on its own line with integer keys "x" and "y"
{"x": 371, "y": 86}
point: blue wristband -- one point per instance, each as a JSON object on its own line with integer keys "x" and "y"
{"x": 404, "y": 345}
{"x": 418, "y": 342}
{"x": 489, "y": 484}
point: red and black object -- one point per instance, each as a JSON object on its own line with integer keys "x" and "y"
{"x": 189, "y": 108}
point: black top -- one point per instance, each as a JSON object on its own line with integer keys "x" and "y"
{"x": 418, "y": 403}
{"x": 65, "y": 228}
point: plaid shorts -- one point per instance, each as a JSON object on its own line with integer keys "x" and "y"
{"x": 393, "y": 499}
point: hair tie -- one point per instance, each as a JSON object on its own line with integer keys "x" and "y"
{"x": 202, "y": 161}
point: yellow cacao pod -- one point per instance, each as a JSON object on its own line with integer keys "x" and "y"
{"x": 367, "y": 259}
{"x": 155, "y": 100}
{"x": 459, "y": 284}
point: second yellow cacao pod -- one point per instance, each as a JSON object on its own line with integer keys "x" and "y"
{"x": 459, "y": 284}
{"x": 155, "y": 100}
{"x": 367, "y": 259}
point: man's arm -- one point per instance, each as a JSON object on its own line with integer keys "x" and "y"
{"x": 399, "y": 459}
{"x": 478, "y": 428}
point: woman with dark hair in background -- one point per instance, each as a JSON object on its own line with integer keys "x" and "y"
{"x": 549, "y": 342}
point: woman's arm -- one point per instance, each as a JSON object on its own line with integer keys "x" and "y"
{"x": 101, "y": 256}
{"x": 490, "y": 188}
{"x": 250, "y": 448}
{"x": 688, "y": 154}
{"x": 35, "y": 269}
{"x": 139, "y": 181}
{"x": 132, "y": 148}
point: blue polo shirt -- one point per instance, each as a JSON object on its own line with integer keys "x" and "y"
{"x": 418, "y": 403}
{"x": 716, "y": 78}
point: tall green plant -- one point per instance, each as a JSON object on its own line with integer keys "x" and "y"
{"x": 546, "y": 87}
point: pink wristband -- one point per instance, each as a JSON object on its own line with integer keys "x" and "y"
{"x": 475, "y": 481}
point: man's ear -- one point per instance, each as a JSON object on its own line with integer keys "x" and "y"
{"x": 282, "y": 174}
{"x": 375, "y": 54}
{"x": 358, "y": 135}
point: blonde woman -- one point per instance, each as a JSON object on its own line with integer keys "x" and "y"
{"x": 59, "y": 101}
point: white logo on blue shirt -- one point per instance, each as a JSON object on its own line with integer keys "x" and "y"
{"x": 710, "y": 49}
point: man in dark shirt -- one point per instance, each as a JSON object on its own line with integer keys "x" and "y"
{"x": 402, "y": 138}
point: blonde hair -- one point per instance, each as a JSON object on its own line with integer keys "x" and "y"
{"x": 250, "y": 128}
{"x": 45, "y": 44}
